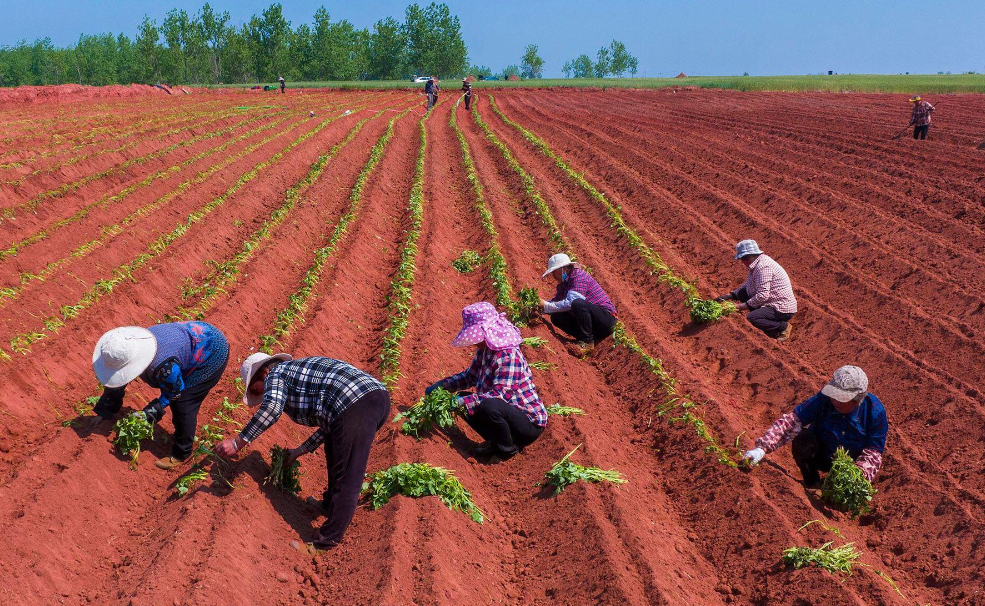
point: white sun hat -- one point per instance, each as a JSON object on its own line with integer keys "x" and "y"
{"x": 848, "y": 383}
{"x": 252, "y": 364}
{"x": 747, "y": 247}
{"x": 557, "y": 262}
{"x": 122, "y": 354}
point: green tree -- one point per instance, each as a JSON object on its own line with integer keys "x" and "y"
{"x": 621, "y": 61}
{"x": 268, "y": 39}
{"x": 531, "y": 65}
{"x": 434, "y": 40}
{"x": 510, "y": 70}
{"x": 215, "y": 35}
{"x": 148, "y": 51}
{"x": 388, "y": 50}
{"x": 176, "y": 30}
{"x": 603, "y": 62}
{"x": 579, "y": 67}
{"x": 480, "y": 71}
{"x": 300, "y": 54}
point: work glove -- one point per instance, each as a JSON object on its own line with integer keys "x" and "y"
{"x": 109, "y": 402}
{"x": 431, "y": 388}
{"x": 754, "y": 456}
{"x": 154, "y": 411}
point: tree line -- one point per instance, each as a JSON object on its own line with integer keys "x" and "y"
{"x": 612, "y": 60}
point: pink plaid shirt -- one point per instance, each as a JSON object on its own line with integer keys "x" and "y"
{"x": 921, "y": 113}
{"x": 500, "y": 374}
{"x": 768, "y": 284}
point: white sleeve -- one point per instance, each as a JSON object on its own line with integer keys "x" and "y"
{"x": 552, "y": 307}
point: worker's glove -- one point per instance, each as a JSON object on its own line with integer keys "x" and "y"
{"x": 754, "y": 456}
{"x": 726, "y": 297}
{"x": 154, "y": 411}
{"x": 109, "y": 402}
{"x": 431, "y": 388}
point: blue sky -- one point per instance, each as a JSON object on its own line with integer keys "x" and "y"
{"x": 701, "y": 37}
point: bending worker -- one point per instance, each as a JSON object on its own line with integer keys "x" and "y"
{"x": 920, "y": 119}
{"x": 766, "y": 294}
{"x": 505, "y": 408}
{"x": 843, "y": 414}
{"x": 184, "y": 360}
{"x": 580, "y": 307}
{"x": 347, "y": 406}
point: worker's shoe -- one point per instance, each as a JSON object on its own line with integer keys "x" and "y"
{"x": 581, "y": 349}
{"x": 783, "y": 336}
{"x": 305, "y": 548}
{"x": 168, "y": 463}
{"x": 486, "y": 448}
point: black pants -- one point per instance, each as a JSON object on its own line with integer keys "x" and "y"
{"x": 504, "y": 426}
{"x": 586, "y": 322}
{"x": 810, "y": 457}
{"x": 350, "y": 438}
{"x": 468, "y": 101}
{"x": 765, "y": 318}
{"x": 184, "y": 410}
{"x": 920, "y": 131}
{"x": 432, "y": 99}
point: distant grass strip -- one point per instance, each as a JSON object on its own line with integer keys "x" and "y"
{"x": 420, "y": 480}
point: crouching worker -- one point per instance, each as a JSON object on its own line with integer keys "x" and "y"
{"x": 843, "y": 414}
{"x": 505, "y": 408}
{"x": 580, "y": 307}
{"x": 347, "y": 406}
{"x": 766, "y": 294}
{"x": 184, "y": 360}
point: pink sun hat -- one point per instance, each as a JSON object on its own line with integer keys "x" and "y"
{"x": 481, "y": 322}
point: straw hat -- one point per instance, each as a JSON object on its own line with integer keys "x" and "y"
{"x": 481, "y": 322}
{"x": 915, "y": 98}
{"x": 122, "y": 354}
{"x": 250, "y": 366}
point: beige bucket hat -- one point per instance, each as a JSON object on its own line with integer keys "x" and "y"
{"x": 250, "y": 366}
{"x": 122, "y": 354}
{"x": 848, "y": 383}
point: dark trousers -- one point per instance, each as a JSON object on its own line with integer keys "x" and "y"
{"x": 586, "y": 322}
{"x": 810, "y": 457}
{"x": 765, "y": 318}
{"x": 504, "y": 426}
{"x": 468, "y": 101}
{"x": 432, "y": 99}
{"x": 350, "y": 438}
{"x": 920, "y": 131}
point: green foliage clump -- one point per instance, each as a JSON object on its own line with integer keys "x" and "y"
{"x": 130, "y": 430}
{"x": 839, "y": 560}
{"x": 185, "y": 483}
{"x": 288, "y": 479}
{"x": 526, "y": 307}
{"x": 437, "y": 408}
{"x": 542, "y": 365}
{"x": 704, "y": 311}
{"x": 467, "y": 262}
{"x": 845, "y": 487}
{"x": 420, "y": 480}
{"x": 534, "y": 342}
{"x": 564, "y": 411}
{"x": 565, "y": 473}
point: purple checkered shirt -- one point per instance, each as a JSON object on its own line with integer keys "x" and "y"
{"x": 582, "y": 282}
{"x": 499, "y": 374}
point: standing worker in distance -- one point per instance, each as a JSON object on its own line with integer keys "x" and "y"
{"x": 766, "y": 294}
{"x": 431, "y": 90}
{"x": 467, "y": 91}
{"x": 347, "y": 406}
{"x": 184, "y": 360}
{"x": 580, "y": 307}
{"x": 283, "y": 85}
{"x": 920, "y": 120}
{"x": 842, "y": 414}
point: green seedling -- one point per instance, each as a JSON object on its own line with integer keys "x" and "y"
{"x": 564, "y": 411}
{"x": 542, "y": 365}
{"x": 534, "y": 342}
{"x": 704, "y": 311}
{"x": 420, "y": 480}
{"x": 288, "y": 479}
{"x": 209, "y": 436}
{"x": 467, "y": 262}
{"x": 838, "y": 561}
{"x": 438, "y": 408}
{"x": 82, "y": 408}
{"x": 130, "y": 431}
{"x": 527, "y": 306}
{"x": 845, "y": 487}
{"x": 565, "y": 473}
{"x": 185, "y": 483}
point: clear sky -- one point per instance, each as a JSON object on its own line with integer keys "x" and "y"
{"x": 698, "y": 37}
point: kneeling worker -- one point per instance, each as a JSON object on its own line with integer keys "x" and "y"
{"x": 843, "y": 414}
{"x": 766, "y": 294}
{"x": 580, "y": 307}
{"x": 347, "y": 406}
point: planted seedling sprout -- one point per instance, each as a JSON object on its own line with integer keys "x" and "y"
{"x": 704, "y": 311}
{"x": 564, "y": 411}
{"x": 467, "y": 262}
{"x": 565, "y": 473}
{"x": 838, "y": 561}
{"x": 288, "y": 479}
{"x": 130, "y": 430}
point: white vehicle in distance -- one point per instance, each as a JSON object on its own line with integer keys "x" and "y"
{"x": 421, "y": 79}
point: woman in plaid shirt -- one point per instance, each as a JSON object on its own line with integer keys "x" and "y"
{"x": 505, "y": 408}
{"x": 766, "y": 294}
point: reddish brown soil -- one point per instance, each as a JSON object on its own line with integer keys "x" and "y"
{"x": 882, "y": 239}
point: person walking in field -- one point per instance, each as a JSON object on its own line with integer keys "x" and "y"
{"x": 431, "y": 90}
{"x": 504, "y": 408}
{"x": 283, "y": 85}
{"x": 580, "y": 306}
{"x": 920, "y": 119}
{"x": 766, "y": 294}
{"x": 184, "y": 360}
{"x": 467, "y": 92}
{"x": 842, "y": 414}
{"x": 348, "y": 406}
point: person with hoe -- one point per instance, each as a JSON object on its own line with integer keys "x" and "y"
{"x": 580, "y": 307}
{"x": 766, "y": 294}
{"x": 184, "y": 360}
{"x": 920, "y": 119}
{"x": 283, "y": 85}
{"x": 467, "y": 92}
{"x": 842, "y": 414}
{"x": 431, "y": 90}
{"x": 348, "y": 407}
{"x": 505, "y": 408}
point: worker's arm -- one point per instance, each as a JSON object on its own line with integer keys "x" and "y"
{"x": 553, "y": 307}
{"x": 271, "y": 408}
{"x": 875, "y": 443}
{"x": 110, "y": 401}
{"x": 462, "y": 380}
{"x": 505, "y": 369}
{"x": 783, "y": 431}
{"x": 313, "y": 442}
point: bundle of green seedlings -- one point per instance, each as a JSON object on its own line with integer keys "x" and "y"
{"x": 564, "y": 411}
{"x": 437, "y": 408}
{"x": 565, "y": 473}
{"x": 467, "y": 262}
{"x": 839, "y": 560}
{"x": 289, "y": 478}
{"x": 185, "y": 482}
{"x": 845, "y": 487}
{"x": 130, "y": 430}
{"x": 420, "y": 480}
{"x": 542, "y": 365}
{"x": 534, "y": 342}
{"x": 527, "y": 306}
{"x": 704, "y": 311}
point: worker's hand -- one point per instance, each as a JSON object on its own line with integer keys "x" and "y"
{"x": 230, "y": 446}
{"x": 430, "y": 388}
{"x": 754, "y": 456}
{"x": 742, "y": 306}
{"x": 95, "y": 422}
{"x": 154, "y": 411}
{"x": 292, "y": 455}
{"x": 725, "y": 297}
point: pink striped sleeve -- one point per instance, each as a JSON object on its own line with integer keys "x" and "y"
{"x": 781, "y": 432}
{"x": 869, "y": 462}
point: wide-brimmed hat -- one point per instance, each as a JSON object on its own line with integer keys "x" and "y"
{"x": 848, "y": 383}
{"x": 481, "y": 322}
{"x": 747, "y": 247}
{"x": 250, "y": 366}
{"x": 915, "y": 98}
{"x": 557, "y": 262}
{"x": 122, "y": 354}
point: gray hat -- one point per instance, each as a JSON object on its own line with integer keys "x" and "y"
{"x": 848, "y": 383}
{"x": 747, "y": 247}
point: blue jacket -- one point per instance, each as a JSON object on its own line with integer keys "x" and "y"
{"x": 188, "y": 353}
{"x": 863, "y": 428}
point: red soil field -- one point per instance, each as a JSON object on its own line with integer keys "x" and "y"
{"x": 134, "y": 208}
